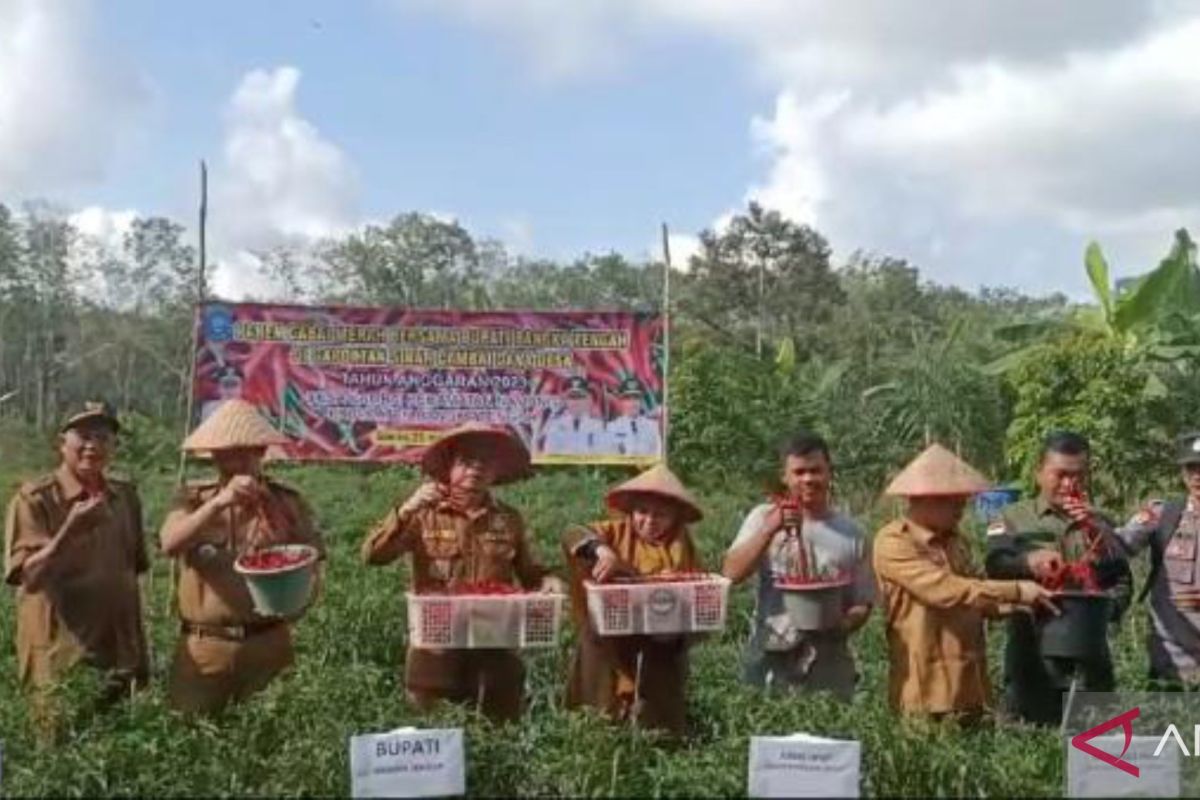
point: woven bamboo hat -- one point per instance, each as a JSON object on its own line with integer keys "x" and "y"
{"x": 660, "y": 482}
{"x": 507, "y": 452}
{"x": 937, "y": 472}
{"x": 233, "y": 425}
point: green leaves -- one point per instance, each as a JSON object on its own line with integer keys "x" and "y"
{"x": 1097, "y": 270}
{"x": 1173, "y": 287}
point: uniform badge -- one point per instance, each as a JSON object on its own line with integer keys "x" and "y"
{"x": 997, "y": 528}
{"x": 1147, "y": 516}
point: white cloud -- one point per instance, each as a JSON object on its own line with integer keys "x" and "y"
{"x": 985, "y": 141}
{"x": 802, "y": 39}
{"x": 280, "y": 182}
{"x": 65, "y": 108}
{"x": 105, "y": 227}
{"x": 516, "y": 233}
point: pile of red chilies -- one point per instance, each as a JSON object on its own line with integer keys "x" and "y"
{"x": 496, "y": 588}
{"x": 272, "y": 559}
{"x": 814, "y": 580}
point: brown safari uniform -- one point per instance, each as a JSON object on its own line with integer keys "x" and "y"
{"x": 935, "y": 603}
{"x": 227, "y": 651}
{"x": 448, "y": 547}
{"x": 91, "y": 613}
{"x": 604, "y": 670}
{"x": 934, "y": 600}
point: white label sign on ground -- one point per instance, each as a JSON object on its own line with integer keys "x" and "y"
{"x": 408, "y": 762}
{"x": 804, "y": 766}
{"x": 1088, "y": 776}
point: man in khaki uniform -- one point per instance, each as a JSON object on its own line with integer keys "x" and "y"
{"x": 227, "y": 651}
{"x": 74, "y": 548}
{"x": 933, "y": 601}
{"x": 457, "y": 532}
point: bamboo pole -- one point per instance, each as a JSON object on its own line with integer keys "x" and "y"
{"x": 666, "y": 313}
{"x": 190, "y": 403}
{"x": 201, "y": 293}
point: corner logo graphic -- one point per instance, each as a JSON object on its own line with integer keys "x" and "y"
{"x": 1080, "y": 742}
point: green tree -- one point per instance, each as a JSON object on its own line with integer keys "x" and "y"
{"x": 761, "y": 279}
{"x": 1093, "y": 386}
{"x": 417, "y": 260}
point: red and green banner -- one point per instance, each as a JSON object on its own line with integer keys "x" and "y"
{"x": 378, "y": 384}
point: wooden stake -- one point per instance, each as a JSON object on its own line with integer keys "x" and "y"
{"x": 666, "y": 314}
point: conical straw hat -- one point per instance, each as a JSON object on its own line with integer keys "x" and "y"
{"x": 509, "y": 456}
{"x": 234, "y": 424}
{"x": 660, "y": 482}
{"x": 935, "y": 472}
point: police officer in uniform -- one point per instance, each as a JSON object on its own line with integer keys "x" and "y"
{"x": 1031, "y": 540}
{"x": 1169, "y": 528}
{"x": 574, "y": 431}
{"x": 74, "y": 548}
{"x": 632, "y": 433}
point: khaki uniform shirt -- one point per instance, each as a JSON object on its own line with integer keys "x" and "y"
{"x": 450, "y": 546}
{"x": 209, "y": 591}
{"x": 91, "y": 610}
{"x": 935, "y": 604}
{"x": 604, "y": 670}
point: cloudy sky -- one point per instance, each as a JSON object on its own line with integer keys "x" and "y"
{"x": 984, "y": 140}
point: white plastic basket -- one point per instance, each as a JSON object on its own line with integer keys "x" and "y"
{"x": 468, "y": 621}
{"x": 631, "y": 608}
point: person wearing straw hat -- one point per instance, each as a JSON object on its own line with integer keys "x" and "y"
{"x": 1170, "y": 527}
{"x": 457, "y": 532}
{"x": 933, "y": 601}
{"x": 74, "y": 548}
{"x": 1033, "y": 539}
{"x": 802, "y": 533}
{"x": 649, "y": 536}
{"x": 227, "y": 651}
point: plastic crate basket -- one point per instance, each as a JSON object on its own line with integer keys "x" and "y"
{"x": 466, "y": 621}
{"x": 655, "y": 607}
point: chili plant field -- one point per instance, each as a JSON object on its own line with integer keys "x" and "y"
{"x": 292, "y": 739}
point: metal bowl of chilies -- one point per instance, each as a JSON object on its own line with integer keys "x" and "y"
{"x": 280, "y": 578}
{"x": 815, "y": 604}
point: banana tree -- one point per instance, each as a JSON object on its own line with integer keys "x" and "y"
{"x": 1154, "y": 318}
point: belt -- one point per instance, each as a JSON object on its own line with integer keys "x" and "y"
{"x": 233, "y": 633}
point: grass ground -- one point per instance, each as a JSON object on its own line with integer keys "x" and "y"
{"x": 292, "y": 740}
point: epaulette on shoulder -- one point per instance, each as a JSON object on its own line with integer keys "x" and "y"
{"x": 37, "y": 486}
{"x": 121, "y": 482}
{"x": 275, "y": 483}
{"x": 504, "y": 508}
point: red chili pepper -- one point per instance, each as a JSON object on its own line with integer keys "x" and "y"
{"x": 1079, "y": 575}
{"x": 842, "y": 576}
{"x": 688, "y": 576}
{"x": 489, "y": 587}
{"x": 272, "y": 559}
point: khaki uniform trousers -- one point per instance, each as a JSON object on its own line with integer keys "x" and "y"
{"x": 209, "y": 671}
{"x": 495, "y": 679}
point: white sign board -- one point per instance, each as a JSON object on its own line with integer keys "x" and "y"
{"x": 408, "y": 763}
{"x": 804, "y": 766}
{"x": 1088, "y": 776}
